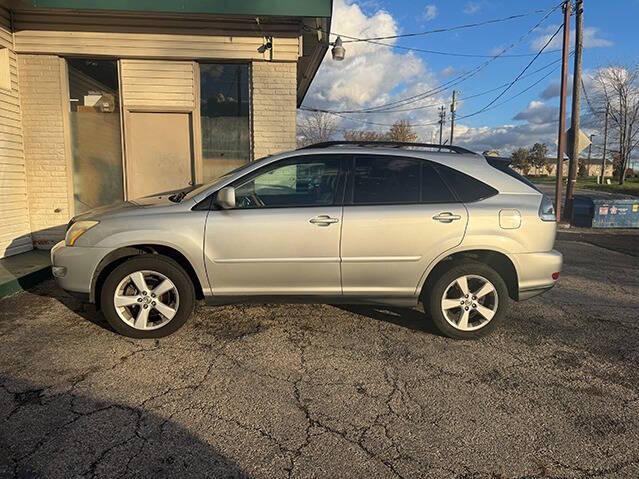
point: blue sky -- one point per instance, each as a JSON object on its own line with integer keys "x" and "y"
{"x": 375, "y": 74}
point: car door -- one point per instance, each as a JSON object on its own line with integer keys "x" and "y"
{"x": 398, "y": 217}
{"x": 283, "y": 236}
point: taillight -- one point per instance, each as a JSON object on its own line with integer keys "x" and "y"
{"x": 547, "y": 209}
{"x": 555, "y": 276}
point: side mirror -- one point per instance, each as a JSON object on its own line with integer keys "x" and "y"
{"x": 225, "y": 198}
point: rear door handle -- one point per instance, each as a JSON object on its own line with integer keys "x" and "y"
{"x": 323, "y": 220}
{"x": 446, "y": 217}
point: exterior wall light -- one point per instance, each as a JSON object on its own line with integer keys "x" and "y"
{"x": 338, "y": 51}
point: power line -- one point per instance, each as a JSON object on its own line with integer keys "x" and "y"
{"x": 518, "y": 77}
{"x": 583, "y": 88}
{"x": 454, "y": 81}
{"x": 447, "y": 29}
{"x": 436, "y": 105}
{"x": 419, "y": 125}
{"x": 438, "y": 52}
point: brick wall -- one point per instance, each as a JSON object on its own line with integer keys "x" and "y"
{"x": 44, "y": 149}
{"x": 274, "y": 86}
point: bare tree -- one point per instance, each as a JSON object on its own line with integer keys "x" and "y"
{"x": 402, "y": 130}
{"x": 315, "y": 127}
{"x": 363, "y": 135}
{"x": 617, "y": 87}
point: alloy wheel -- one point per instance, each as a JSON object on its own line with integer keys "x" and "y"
{"x": 470, "y": 302}
{"x": 146, "y": 300}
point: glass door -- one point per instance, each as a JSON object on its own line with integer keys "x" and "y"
{"x": 96, "y": 143}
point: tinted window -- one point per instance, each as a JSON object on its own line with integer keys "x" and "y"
{"x": 468, "y": 189}
{"x": 386, "y": 180}
{"x": 434, "y": 190}
{"x": 306, "y": 181}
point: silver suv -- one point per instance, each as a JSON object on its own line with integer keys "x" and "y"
{"x": 384, "y": 224}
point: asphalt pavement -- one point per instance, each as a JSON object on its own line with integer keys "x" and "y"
{"x": 272, "y": 391}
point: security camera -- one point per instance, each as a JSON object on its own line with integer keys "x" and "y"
{"x": 338, "y": 51}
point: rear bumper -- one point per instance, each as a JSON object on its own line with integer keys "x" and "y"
{"x": 535, "y": 272}
{"x": 73, "y": 267}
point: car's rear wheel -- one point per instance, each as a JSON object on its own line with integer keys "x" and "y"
{"x": 148, "y": 296}
{"x": 467, "y": 301}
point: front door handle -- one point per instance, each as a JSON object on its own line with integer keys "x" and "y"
{"x": 323, "y": 220}
{"x": 446, "y": 217}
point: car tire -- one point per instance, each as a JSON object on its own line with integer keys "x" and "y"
{"x": 459, "y": 316}
{"x": 131, "y": 306}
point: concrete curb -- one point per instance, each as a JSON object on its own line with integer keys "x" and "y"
{"x": 25, "y": 282}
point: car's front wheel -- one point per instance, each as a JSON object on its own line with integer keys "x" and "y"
{"x": 468, "y": 300}
{"x": 147, "y": 296}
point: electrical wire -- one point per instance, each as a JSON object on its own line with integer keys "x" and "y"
{"x": 518, "y": 77}
{"x": 453, "y": 82}
{"x": 439, "y": 52}
{"x": 419, "y": 125}
{"x": 446, "y": 29}
{"x": 465, "y": 98}
{"x": 583, "y": 88}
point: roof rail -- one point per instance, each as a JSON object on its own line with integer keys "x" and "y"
{"x": 390, "y": 144}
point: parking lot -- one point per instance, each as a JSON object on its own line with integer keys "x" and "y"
{"x": 323, "y": 391}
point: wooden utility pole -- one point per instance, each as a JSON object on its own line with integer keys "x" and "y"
{"x": 442, "y": 120}
{"x": 573, "y": 152}
{"x": 453, "y": 109}
{"x": 561, "y": 143}
{"x": 605, "y": 145}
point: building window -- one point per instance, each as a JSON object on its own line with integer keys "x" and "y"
{"x": 95, "y": 133}
{"x": 224, "y": 107}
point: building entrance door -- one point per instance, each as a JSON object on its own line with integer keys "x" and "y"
{"x": 159, "y": 152}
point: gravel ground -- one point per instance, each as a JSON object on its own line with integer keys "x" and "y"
{"x": 323, "y": 391}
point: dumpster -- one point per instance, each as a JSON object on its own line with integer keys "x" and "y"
{"x": 582, "y": 211}
{"x": 616, "y": 213}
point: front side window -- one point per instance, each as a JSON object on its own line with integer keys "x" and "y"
{"x": 224, "y": 110}
{"x": 308, "y": 181}
{"x": 386, "y": 180}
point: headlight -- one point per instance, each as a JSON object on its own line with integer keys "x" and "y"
{"x": 78, "y": 229}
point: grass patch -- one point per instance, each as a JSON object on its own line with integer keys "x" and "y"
{"x": 630, "y": 187}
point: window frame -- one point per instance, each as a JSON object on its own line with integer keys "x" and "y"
{"x": 338, "y": 199}
{"x": 349, "y": 199}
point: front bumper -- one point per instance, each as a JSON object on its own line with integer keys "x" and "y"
{"x": 74, "y": 266}
{"x": 535, "y": 272}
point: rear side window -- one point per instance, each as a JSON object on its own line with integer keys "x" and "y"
{"x": 434, "y": 190}
{"x": 386, "y": 180}
{"x": 467, "y": 188}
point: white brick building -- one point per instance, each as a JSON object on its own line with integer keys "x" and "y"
{"x": 100, "y": 105}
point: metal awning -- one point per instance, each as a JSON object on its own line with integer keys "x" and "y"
{"x": 289, "y": 8}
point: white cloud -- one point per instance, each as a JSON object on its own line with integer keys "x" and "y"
{"x": 370, "y": 74}
{"x": 449, "y": 71}
{"x": 538, "y": 113}
{"x": 430, "y": 12}
{"x": 373, "y": 75}
{"x": 471, "y": 8}
{"x": 591, "y": 38}
{"x": 506, "y": 138}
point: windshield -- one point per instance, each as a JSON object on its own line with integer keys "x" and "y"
{"x": 200, "y": 188}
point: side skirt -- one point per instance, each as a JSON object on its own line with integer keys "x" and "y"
{"x": 403, "y": 302}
